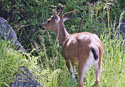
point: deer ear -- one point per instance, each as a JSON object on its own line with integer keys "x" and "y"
{"x": 67, "y": 15}
{"x": 57, "y": 18}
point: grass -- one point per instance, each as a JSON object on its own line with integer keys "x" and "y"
{"x": 47, "y": 63}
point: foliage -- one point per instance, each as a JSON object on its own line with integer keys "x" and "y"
{"x": 97, "y": 16}
{"x": 10, "y": 61}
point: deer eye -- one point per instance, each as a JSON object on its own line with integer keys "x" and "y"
{"x": 48, "y": 21}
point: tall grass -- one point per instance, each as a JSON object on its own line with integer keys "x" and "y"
{"x": 47, "y": 63}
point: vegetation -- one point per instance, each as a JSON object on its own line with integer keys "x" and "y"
{"x": 10, "y": 61}
{"x": 47, "y": 63}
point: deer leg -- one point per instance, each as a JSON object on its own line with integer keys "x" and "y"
{"x": 76, "y": 76}
{"x": 70, "y": 68}
{"x": 98, "y": 72}
{"x": 81, "y": 70}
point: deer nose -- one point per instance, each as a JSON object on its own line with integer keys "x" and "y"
{"x": 41, "y": 27}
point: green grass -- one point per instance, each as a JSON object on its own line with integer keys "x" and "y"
{"x": 47, "y": 63}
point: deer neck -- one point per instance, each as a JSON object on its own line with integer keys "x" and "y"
{"x": 61, "y": 33}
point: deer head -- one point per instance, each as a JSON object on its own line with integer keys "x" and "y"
{"x": 57, "y": 20}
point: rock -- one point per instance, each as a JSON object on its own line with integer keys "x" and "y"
{"x": 7, "y": 32}
{"x": 24, "y": 78}
{"x": 122, "y": 29}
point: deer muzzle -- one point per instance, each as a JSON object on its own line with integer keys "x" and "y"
{"x": 41, "y": 27}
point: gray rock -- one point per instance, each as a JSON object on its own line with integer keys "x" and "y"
{"x": 24, "y": 78}
{"x": 122, "y": 29}
{"x": 7, "y": 32}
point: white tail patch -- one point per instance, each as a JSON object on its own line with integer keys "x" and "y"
{"x": 88, "y": 64}
{"x": 90, "y": 61}
{"x": 95, "y": 47}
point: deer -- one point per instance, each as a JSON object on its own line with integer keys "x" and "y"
{"x": 82, "y": 49}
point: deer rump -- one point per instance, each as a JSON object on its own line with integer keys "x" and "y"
{"x": 77, "y": 47}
